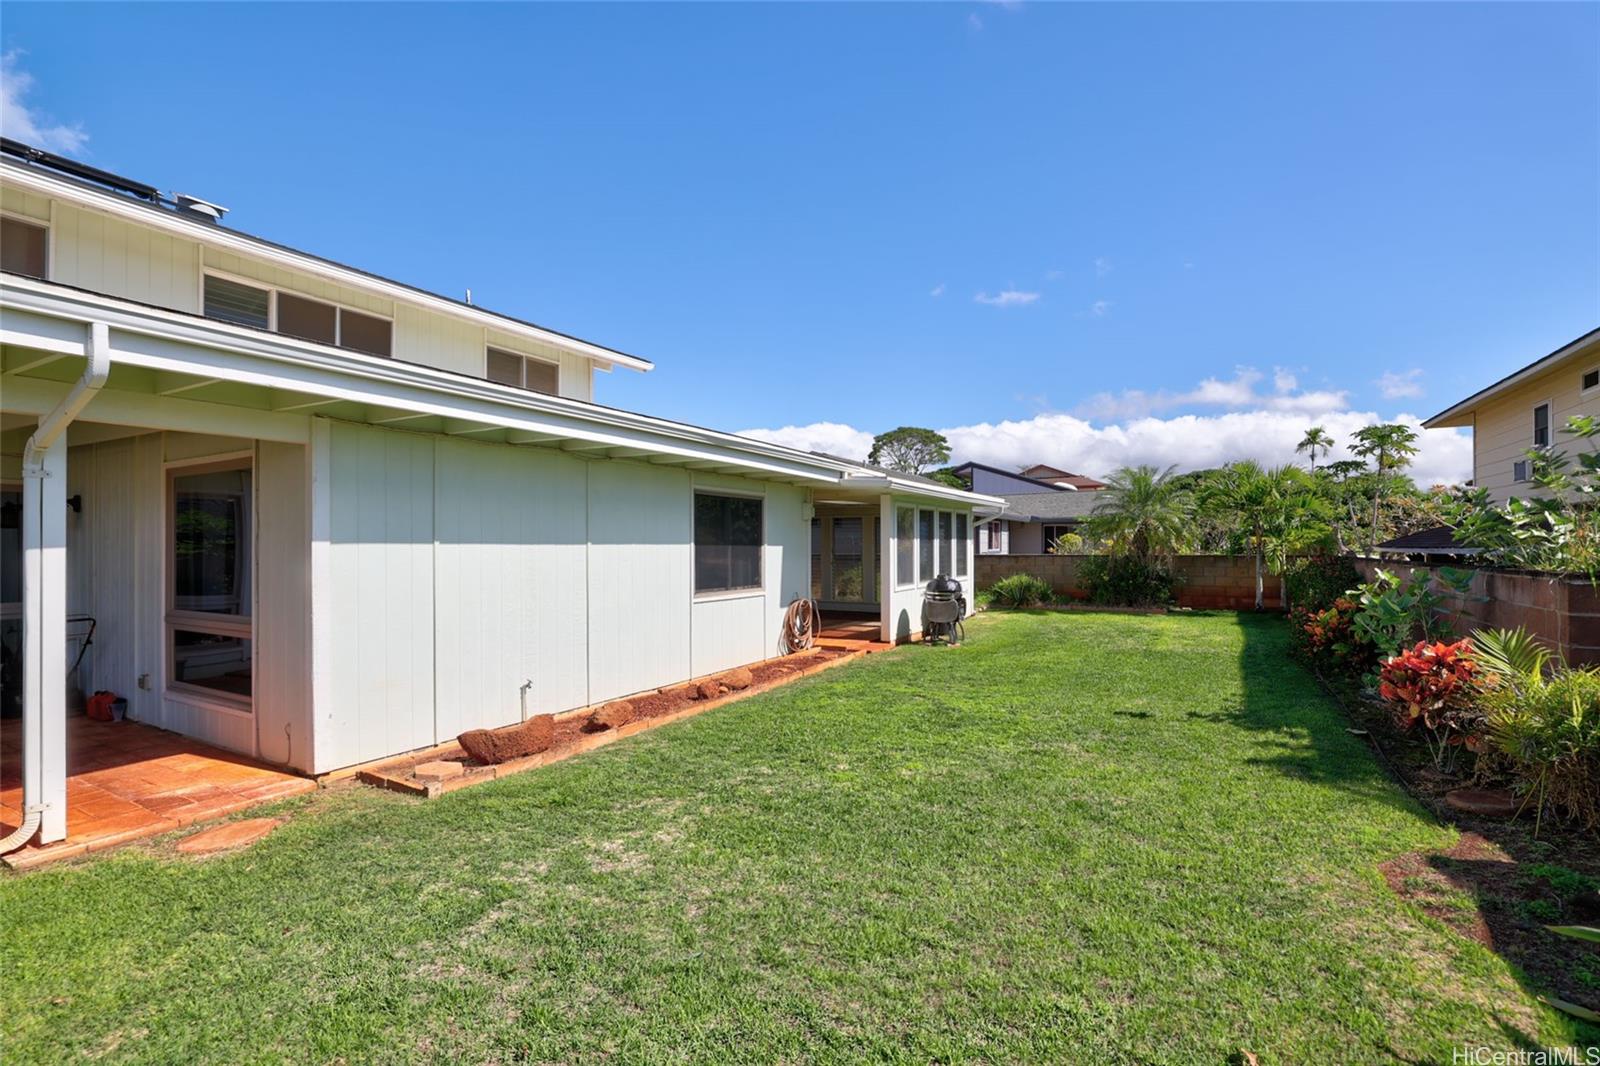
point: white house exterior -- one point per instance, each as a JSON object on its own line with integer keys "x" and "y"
{"x": 321, "y": 517}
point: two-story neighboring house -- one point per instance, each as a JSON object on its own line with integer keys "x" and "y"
{"x": 1526, "y": 409}
{"x": 1038, "y": 508}
{"x": 321, "y": 517}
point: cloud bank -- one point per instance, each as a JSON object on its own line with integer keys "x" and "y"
{"x": 1127, "y": 429}
{"x": 23, "y": 123}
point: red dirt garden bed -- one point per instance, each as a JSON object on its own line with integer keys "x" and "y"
{"x": 447, "y": 767}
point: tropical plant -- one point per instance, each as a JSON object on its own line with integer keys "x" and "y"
{"x": 1126, "y": 580}
{"x": 1432, "y": 685}
{"x": 1020, "y": 590}
{"x": 1542, "y": 719}
{"x": 1315, "y": 440}
{"x": 1316, "y": 581}
{"x": 1556, "y": 531}
{"x": 1327, "y": 639}
{"x": 1392, "y": 613}
{"x": 1141, "y": 512}
{"x": 1277, "y": 510}
{"x": 1390, "y": 448}
{"x": 1066, "y": 544}
{"x": 911, "y": 449}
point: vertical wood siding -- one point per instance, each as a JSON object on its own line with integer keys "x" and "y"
{"x": 93, "y": 251}
{"x": 283, "y": 602}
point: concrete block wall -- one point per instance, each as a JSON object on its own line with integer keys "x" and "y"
{"x": 1225, "y": 582}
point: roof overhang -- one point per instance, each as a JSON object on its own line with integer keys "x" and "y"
{"x": 1459, "y": 414}
{"x": 880, "y": 483}
{"x": 190, "y": 363}
{"x": 22, "y": 176}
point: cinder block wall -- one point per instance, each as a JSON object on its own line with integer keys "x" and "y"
{"x": 1224, "y": 582}
{"x": 1562, "y": 611}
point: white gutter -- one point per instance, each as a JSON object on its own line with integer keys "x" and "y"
{"x": 52, "y": 427}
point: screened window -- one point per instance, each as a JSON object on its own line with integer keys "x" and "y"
{"x": 727, "y": 543}
{"x": 23, "y": 247}
{"x": 522, "y": 372}
{"x": 212, "y": 580}
{"x": 243, "y": 305}
{"x": 905, "y": 546}
{"x": 946, "y": 541}
{"x": 365, "y": 333}
{"x": 925, "y": 545}
{"x": 845, "y": 569}
{"x": 816, "y": 558}
{"x": 307, "y": 319}
{"x": 963, "y": 545}
{"x": 1541, "y": 426}
{"x": 1591, "y": 380}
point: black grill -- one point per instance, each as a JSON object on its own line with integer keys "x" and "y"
{"x": 943, "y": 607}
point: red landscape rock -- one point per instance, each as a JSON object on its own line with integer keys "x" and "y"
{"x": 510, "y": 742}
{"x": 1488, "y": 802}
{"x": 437, "y": 771}
{"x": 613, "y": 715}
{"x": 230, "y": 835}
{"x": 738, "y": 679}
{"x": 708, "y": 690}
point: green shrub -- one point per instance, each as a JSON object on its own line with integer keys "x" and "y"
{"x": 1020, "y": 590}
{"x": 1316, "y": 581}
{"x": 1126, "y": 581}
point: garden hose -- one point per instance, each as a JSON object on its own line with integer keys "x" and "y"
{"x": 800, "y": 624}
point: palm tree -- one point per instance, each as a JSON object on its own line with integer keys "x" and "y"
{"x": 1143, "y": 512}
{"x": 1315, "y": 440}
{"x": 1391, "y": 448}
{"x": 1277, "y": 509}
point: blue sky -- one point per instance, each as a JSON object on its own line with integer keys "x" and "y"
{"x": 1081, "y": 234}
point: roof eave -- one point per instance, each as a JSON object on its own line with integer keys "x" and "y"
{"x": 1459, "y": 414}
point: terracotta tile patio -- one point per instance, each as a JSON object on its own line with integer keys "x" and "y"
{"x": 127, "y": 781}
{"x": 850, "y": 631}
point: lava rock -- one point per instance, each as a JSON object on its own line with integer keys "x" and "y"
{"x": 738, "y": 679}
{"x": 613, "y": 715}
{"x": 708, "y": 690}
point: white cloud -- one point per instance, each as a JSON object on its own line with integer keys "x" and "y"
{"x": 1099, "y": 309}
{"x": 1007, "y": 298}
{"x": 1102, "y": 267}
{"x": 937, "y": 291}
{"x": 1395, "y": 385}
{"x": 1284, "y": 380}
{"x": 21, "y": 122}
{"x": 1191, "y": 441}
{"x": 1238, "y": 392}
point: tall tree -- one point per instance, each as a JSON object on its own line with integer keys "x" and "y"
{"x": 1142, "y": 511}
{"x": 1316, "y": 440}
{"x": 1276, "y": 509}
{"x": 1390, "y": 449}
{"x": 910, "y": 449}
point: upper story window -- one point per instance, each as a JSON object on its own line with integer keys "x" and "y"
{"x": 522, "y": 372}
{"x": 1541, "y": 426}
{"x": 1591, "y": 379}
{"x": 22, "y": 247}
{"x": 297, "y": 316}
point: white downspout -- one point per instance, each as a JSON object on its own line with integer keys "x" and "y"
{"x": 50, "y": 430}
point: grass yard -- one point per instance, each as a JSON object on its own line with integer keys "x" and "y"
{"x": 1088, "y": 837}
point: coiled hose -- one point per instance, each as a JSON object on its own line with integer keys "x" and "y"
{"x": 800, "y": 625}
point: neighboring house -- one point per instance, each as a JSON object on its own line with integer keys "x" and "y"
{"x": 1062, "y": 478}
{"x": 322, "y": 517}
{"x": 1526, "y": 409}
{"x": 1037, "y": 511}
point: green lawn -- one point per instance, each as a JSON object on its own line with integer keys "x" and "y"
{"x": 1088, "y": 837}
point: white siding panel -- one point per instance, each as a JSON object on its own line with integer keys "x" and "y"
{"x": 21, "y": 202}
{"x": 787, "y": 570}
{"x": 434, "y": 340}
{"x": 381, "y": 600}
{"x": 510, "y": 586}
{"x": 283, "y": 604}
{"x": 577, "y": 377}
{"x": 728, "y": 633}
{"x": 93, "y": 251}
{"x": 641, "y": 581}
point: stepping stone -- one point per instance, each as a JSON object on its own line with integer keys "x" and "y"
{"x": 437, "y": 771}
{"x": 231, "y": 835}
{"x": 1489, "y": 802}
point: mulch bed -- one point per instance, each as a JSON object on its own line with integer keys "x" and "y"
{"x": 575, "y": 732}
{"x": 1499, "y": 885}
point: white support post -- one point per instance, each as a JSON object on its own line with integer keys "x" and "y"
{"x": 888, "y": 534}
{"x": 44, "y": 627}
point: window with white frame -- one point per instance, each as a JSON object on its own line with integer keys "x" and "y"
{"x": 963, "y": 545}
{"x": 992, "y": 536}
{"x": 522, "y": 371}
{"x": 1541, "y": 426}
{"x": 905, "y": 546}
{"x": 727, "y": 542}
{"x": 925, "y": 546}
{"x": 24, "y": 247}
{"x": 293, "y": 315}
{"x": 1591, "y": 379}
{"x": 212, "y": 581}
